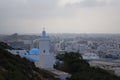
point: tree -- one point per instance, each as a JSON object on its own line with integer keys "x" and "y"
{"x": 72, "y": 62}
{"x": 80, "y": 69}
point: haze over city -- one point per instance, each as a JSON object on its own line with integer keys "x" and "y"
{"x": 59, "y": 16}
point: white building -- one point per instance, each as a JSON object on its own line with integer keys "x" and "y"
{"x": 42, "y": 43}
{"x": 46, "y": 59}
{"x": 90, "y": 56}
{"x": 21, "y": 53}
{"x": 39, "y": 53}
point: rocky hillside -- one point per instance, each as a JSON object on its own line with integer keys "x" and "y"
{"x": 15, "y": 68}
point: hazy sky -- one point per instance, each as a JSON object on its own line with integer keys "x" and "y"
{"x": 60, "y": 16}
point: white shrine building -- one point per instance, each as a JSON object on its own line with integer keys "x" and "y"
{"x": 44, "y": 58}
{"x": 39, "y": 53}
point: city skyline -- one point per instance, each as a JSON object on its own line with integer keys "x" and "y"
{"x": 59, "y": 16}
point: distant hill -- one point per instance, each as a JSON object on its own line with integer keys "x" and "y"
{"x": 15, "y": 68}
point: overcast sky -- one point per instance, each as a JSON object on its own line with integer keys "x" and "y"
{"x": 59, "y": 16}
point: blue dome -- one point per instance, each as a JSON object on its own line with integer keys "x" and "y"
{"x": 34, "y": 51}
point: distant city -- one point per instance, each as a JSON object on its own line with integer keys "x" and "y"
{"x": 104, "y": 45}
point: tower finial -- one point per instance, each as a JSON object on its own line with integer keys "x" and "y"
{"x": 43, "y": 32}
{"x": 43, "y": 28}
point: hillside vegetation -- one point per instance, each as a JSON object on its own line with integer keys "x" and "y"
{"x": 80, "y": 69}
{"x": 15, "y": 68}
